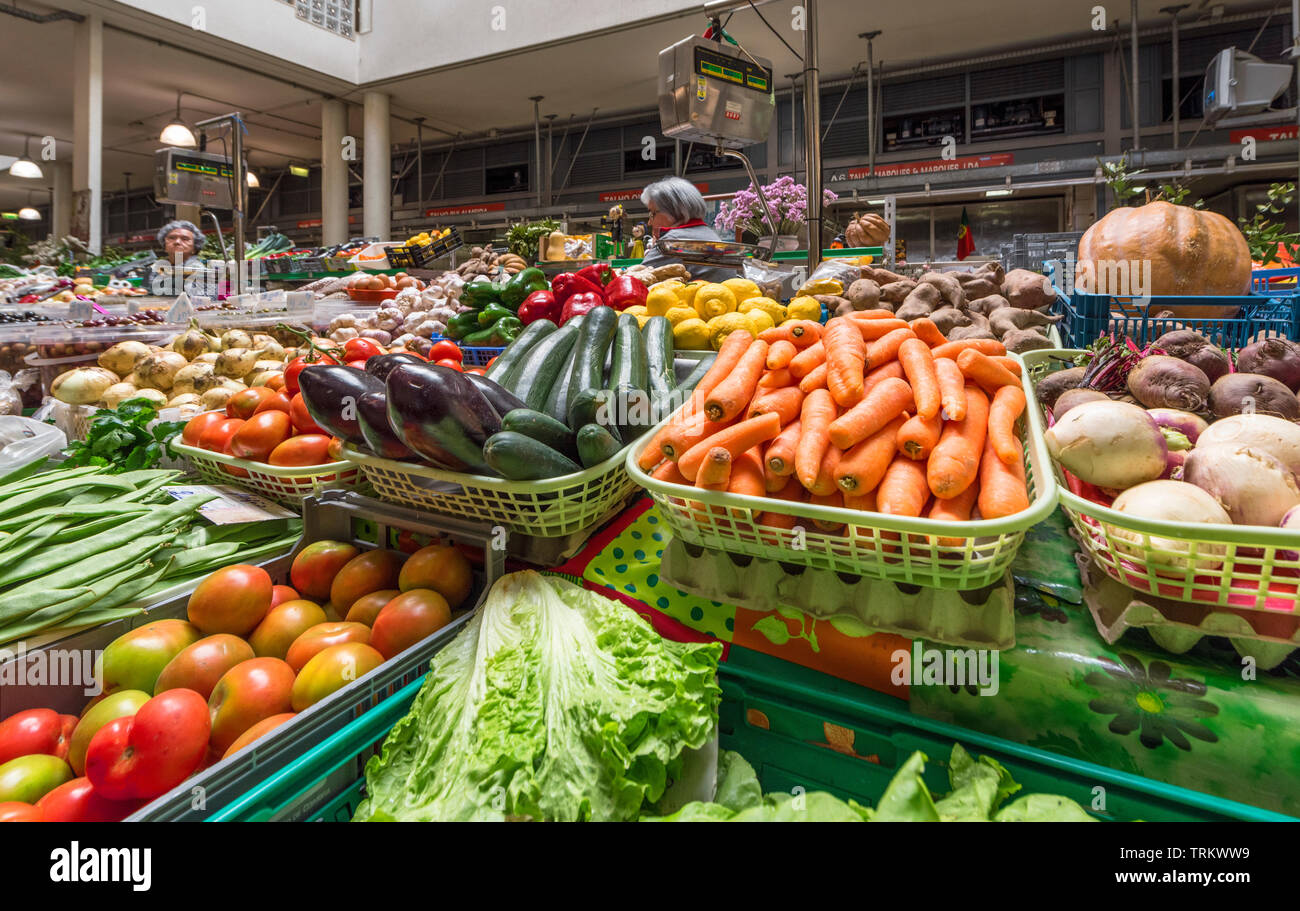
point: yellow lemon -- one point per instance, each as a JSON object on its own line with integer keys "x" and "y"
{"x": 760, "y": 320}
{"x": 821, "y": 286}
{"x": 804, "y": 308}
{"x": 743, "y": 288}
{"x": 660, "y": 300}
{"x": 638, "y": 310}
{"x": 765, "y": 304}
{"x": 721, "y": 326}
{"x": 691, "y": 335}
{"x": 677, "y": 314}
{"x": 686, "y": 293}
{"x": 714, "y": 300}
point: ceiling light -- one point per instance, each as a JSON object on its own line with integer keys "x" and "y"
{"x": 252, "y": 180}
{"x": 24, "y": 166}
{"x": 9, "y": 216}
{"x": 1006, "y": 192}
{"x": 299, "y": 170}
{"x": 176, "y": 133}
{"x": 875, "y": 202}
{"x": 27, "y": 213}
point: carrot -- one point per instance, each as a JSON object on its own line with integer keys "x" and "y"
{"x": 927, "y": 331}
{"x": 872, "y": 314}
{"x": 807, "y": 360}
{"x": 873, "y": 329}
{"x": 861, "y": 468}
{"x": 881, "y": 406}
{"x": 902, "y": 491}
{"x": 1012, "y": 365}
{"x": 874, "y": 378}
{"x": 747, "y": 475}
{"x": 981, "y": 368}
{"x": 687, "y": 434}
{"x": 824, "y": 484}
{"x": 784, "y": 403}
{"x": 1007, "y": 405}
{"x": 716, "y": 469}
{"x": 801, "y": 333}
{"x": 952, "y": 388}
{"x": 885, "y": 349}
{"x": 816, "y": 417}
{"x": 815, "y": 380}
{"x": 955, "y": 462}
{"x": 772, "y": 482}
{"x": 780, "y": 354}
{"x": 863, "y": 501}
{"x": 1002, "y": 485}
{"x": 957, "y": 509}
{"x": 667, "y": 471}
{"x": 917, "y": 363}
{"x": 781, "y": 520}
{"x": 780, "y": 452}
{"x": 792, "y": 492}
{"x": 729, "y": 398}
{"x": 735, "y": 439}
{"x": 986, "y": 345}
{"x": 775, "y": 379}
{"x": 919, "y": 436}
{"x": 835, "y": 500}
{"x": 846, "y": 355}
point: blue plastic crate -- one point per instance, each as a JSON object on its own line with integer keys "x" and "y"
{"x": 1275, "y": 281}
{"x": 1088, "y": 316}
{"x": 480, "y": 356}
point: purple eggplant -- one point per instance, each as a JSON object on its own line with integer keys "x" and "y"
{"x": 381, "y": 365}
{"x": 441, "y": 415}
{"x": 502, "y": 400}
{"x": 372, "y": 415}
{"x": 331, "y": 394}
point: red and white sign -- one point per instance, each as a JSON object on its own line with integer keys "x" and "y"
{"x": 1265, "y": 134}
{"x": 466, "y": 210}
{"x": 632, "y": 195}
{"x": 935, "y": 166}
{"x": 316, "y": 222}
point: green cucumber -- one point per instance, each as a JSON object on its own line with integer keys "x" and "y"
{"x": 596, "y": 445}
{"x": 694, "y": 377}
{"x": 627, "y": 368}
{"x": 500, "y": 371}
{"x": 543, "y": 428}
{"x": 521, "y": 458}
{"x": 557, "y": 400}
{"x": 594, "y": 340}
{"x": 658, "y": 335}
{"x": 541, "y": 366}
{"x": 593, "y": 406}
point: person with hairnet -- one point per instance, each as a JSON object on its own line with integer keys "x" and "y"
{"x": 183, "y": 239}
{"x": 677, "y": 213}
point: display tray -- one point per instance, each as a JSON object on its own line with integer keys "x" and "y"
{"x": 287, "y": 485}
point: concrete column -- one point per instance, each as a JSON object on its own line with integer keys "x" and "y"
{"x": 88, "y": 131}
{"x": 61, "y": 207}
{"x": 334, "y": 173}
{"x": 377, "y": 174}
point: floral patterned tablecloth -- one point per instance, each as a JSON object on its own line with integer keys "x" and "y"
{"x": 1206, "y": 720}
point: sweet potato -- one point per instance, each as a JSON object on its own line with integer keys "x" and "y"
{"x": 1027, "y": 290}
{"x": 987, "y": 305}
{"x": 978, "y": 287}
{"x": 896, "y": 292}
{"x": 1022, "y": 340}
{"x": 864, "y": 294}
{"x": 949, "y": 318}
{"x": 948, "y": 287}
{"x": 880, "y": 276}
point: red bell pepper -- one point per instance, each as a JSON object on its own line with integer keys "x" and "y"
{"x": 580, "y": 303}
{"x": 539, "y": 305}
{"x": 597, "y": 273}
{"x": 569, "y": 283}
{"x": 625, "y": 291}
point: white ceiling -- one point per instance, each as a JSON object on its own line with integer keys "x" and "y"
{"x": 613, "y": 70}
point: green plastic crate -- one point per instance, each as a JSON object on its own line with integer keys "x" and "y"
{"x": 796, "y": 705}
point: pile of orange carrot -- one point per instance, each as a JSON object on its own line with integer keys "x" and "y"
{"x": 867, "y": 412}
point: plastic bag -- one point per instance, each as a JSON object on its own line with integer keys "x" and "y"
{"x": 835, "y": 270}
{"x": 23, "y": 389}
{"x": 772, "y": 279}
{"x": 25, "y": 440}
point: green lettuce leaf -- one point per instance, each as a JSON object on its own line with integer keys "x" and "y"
{"x": 907, "y": 799}
{"x": 738, "y": 787}
{"x": 554, "y": 703}
{"x": 1043, "y": 808}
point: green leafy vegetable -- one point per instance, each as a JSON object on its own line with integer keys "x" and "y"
{"x": 122, "y": 440}
{"x": 553, "y": 703}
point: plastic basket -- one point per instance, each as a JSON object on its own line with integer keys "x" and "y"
{"x": 479, "y": 356}
{"x": 554, "y": 508}
{"x": 1236, "y": 566}
{"x": 289, "y": 486}
{"x": 1274, "y": 281}
{"x": 917, "y": 551}
{"x": 1088, "y": 316}
{"x": 367, "y": 524}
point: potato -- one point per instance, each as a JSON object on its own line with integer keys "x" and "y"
{"x": 1027, "y": 290}
{"x": 236, "y": 338}
{"x": 864, "y": 293}
{"x": 896, "y": 292}
{"x": 158, "y": 371}
{"x": 236, "y": 362}
{"x": 123, "y": 356}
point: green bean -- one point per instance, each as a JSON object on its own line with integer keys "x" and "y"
{"x": 128, "y": 590}
{"x": 34, "y": 541}
{"x": 89, "y": 498}
{"x": 94, "y": 616}
{"x": 26, "y": 471}
{"x": 29, "y": 499}
{"x": 51, "y": 477}
{"x": 81, "y": 572}
{"x": 72, "y": 511}
{"x": 20, "y": 533}
{"x": 150, "y": 487}
{"x": 92, "y": 527}
{"x": 71, "y": 602}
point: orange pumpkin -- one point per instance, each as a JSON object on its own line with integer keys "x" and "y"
{"x": 1191, "y": 251}
{"x": 866, "y": 230}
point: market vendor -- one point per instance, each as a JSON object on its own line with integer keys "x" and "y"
{"x": 677, "y": 213}
{"x": 182, "y": 239}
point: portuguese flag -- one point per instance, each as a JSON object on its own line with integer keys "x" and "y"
{"x": 965, "y": 240}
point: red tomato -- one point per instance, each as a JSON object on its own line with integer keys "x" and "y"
{"x": 302, "y": 420}
{"x": 243, "y": 404}
{"x": 308, "y": 449}
{"x": 35, "y": 731}
{"x": 231, "y": 600}
{"x": 407, "y": 619}
{"x": 360, "y": 365}
{"x": 283, "y": 593}
{"x": 335, "y": 449}
{"x": 17, "y": 811}
{"x": 296, "y": 367}
{"x": 491, "y": 362}
{"x": 445, "y": 350}
{"x": 217, "y": 437}
{"x": 361, "y": 349}
{"x": 276, "y": 382}
{"x": 332, "y": 669}
{"x": 149, "y": 753}
{"x": 78, "y": 801}
{"x": 448, "y": 362}
{"x": 199, "y": 423}
{"x": 477, "y": 371}
{"x": 277, "y": 401}
{"x": 260, "y": 434}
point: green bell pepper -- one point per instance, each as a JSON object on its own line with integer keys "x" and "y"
{"x": 479, "y": 294}
{"x": 491, "y": 313}
{"x": 506, "y": 330}
{"x": 481, "y": 338}
{"x": 462, "y": 324}
{"x": 524, "y": 283}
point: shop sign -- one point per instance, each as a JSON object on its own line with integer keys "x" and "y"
{"x": 633, "y": 195}
{"x": 1265, "y": 134}
{"x": 316, "y": 222}
{"x": 466, "y": 210}
{"x": 933, "y": 166}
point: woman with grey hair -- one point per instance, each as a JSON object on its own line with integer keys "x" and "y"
{"x": 182, "y": 239}
{"x": 677, "y": 213}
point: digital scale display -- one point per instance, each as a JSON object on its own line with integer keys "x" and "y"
{"x": 743, "y": 73}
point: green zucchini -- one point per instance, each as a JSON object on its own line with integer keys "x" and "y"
{"x": 594, "y": 340}
{"x": 593, "y": 406}
{"x": 694, "y": 377}
{"x": 627, "y": 368}
{"x": 557, "y": 400}
{"x": 541, "y": 366}
{"x": 543, "y": 428}
{"x": 596, "y": 445}
{"x": 500, "y": 372}
{"x": 521, "y": 458}
{"x": 658, "y": 336}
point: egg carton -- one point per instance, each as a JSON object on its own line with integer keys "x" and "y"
{"x": 1177, "y": 626}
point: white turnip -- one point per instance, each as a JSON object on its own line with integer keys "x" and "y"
{"x": 1109, "y": 444}
{"x": 1253, "y": 486}
{"x": 1170, "y": 501}
{"x": 1261, "y": 432}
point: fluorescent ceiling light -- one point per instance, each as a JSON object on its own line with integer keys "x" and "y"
{"x": 9, "y": 216}
{"x": 27, "y": 213}
{"x": 875, "y": 202}
{"x": 1006, "y": 192}
{"x": 176, "y": 133}
{"x": 252, "y": 179}
{"x": 299, "y": 170}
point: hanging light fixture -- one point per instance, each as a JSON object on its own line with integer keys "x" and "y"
{"x": 176, "y": 133}
{"x": 299, "y": 170}
{"x": 252, "y": 180}
{"x": 27, "y": 213}
{"x": 24, "y": 166}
